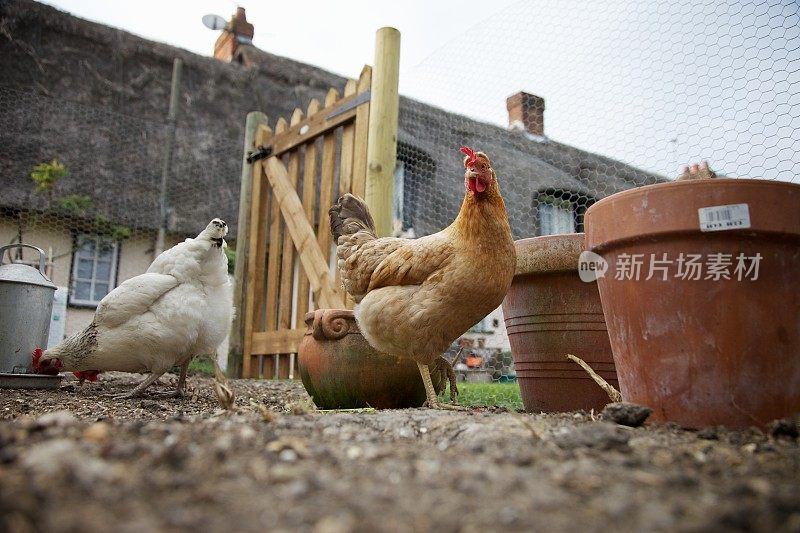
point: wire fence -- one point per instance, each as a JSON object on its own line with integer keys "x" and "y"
{"x": 575, "y": 101}
{"x": 85, "y": 184}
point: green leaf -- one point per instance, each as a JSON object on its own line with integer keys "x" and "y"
{"x": 77, "y": 203}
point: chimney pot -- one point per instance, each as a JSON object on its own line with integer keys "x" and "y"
{"x": 526, "y": 112}
{"x": 228, "y": 41}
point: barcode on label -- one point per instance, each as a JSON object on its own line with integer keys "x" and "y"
{"x": 724, "y": 217}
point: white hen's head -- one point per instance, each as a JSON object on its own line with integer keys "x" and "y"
{"x": 215, "y": 231}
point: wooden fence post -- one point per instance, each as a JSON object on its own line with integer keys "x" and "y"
{"x": 236, "y": 339}
{"x": 382, "y": 136}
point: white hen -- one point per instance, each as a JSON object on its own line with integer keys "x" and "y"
{"x": 181, "y": 307}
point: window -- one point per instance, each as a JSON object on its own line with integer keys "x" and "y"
{"x": 94, "y": 269}
{"x": 556, "y": 215}
{"x": 561, "y": 211}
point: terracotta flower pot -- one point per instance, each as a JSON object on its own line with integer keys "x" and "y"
{"x": 550, "y": 312}
{"x": 720, "y": 349}
{"x": 340, "y": 370}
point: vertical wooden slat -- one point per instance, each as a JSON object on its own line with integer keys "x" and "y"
{"x": 346, "y": 170}
{"x": 348, "y": 135}
{"x": 287, "y": 254}
{"x": 282, "y": 367}
{"x": 257, "y": 246}
{"x": 287, "y": 258}
{"x": 360, "y": 137}
{"x": 273, "y": 266}
{"x": 327, "y": 171}
{"x": 309, "y": 183}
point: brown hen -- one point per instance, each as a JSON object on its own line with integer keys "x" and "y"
{"x": 416, "y": 296}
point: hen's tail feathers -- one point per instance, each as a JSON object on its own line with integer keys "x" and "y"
{"x": 349, "y": 215}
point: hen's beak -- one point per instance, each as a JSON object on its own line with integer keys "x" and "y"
{"x": 49, "y": 366}
{"x": 476, "y": 181}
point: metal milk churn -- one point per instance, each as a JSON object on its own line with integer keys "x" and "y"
{"x": 26, "y": 302}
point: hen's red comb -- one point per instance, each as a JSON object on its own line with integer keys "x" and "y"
{"x": 472, "y": 157}
{"x": 35, "y": 356}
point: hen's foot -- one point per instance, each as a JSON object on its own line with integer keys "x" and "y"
{"x": 432, "y": 401}
{"x": 444, "y": 406}
{"x": 136, "y": 391}
{"x": 180, "y": 388}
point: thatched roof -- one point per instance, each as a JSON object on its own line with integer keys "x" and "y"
{"x": 52, "y": 61}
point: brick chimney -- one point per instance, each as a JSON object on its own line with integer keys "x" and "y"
{"x": 526, "y": 112}
{"x": 238, "y": 31}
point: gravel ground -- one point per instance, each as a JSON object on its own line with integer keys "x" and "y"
{"x": 72, "y": 460}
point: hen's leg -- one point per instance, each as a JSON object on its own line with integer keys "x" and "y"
{"x": 451, "y": 377}
{"x": 432, "y": 401}
{"x": 180, "y": 388}
{"x": 136, "y": 391}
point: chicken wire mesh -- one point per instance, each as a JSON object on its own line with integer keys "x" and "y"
{"x": 85, "y": 184}
{"x": 575, "y": 101}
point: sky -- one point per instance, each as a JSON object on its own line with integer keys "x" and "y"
{"x": 655, "y": 84}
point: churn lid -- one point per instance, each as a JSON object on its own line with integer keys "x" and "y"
{"x": 22, "y": 273}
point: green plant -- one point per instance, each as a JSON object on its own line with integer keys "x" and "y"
{"x": 77, "y": 203}
{"x": 103, "y": 226}
{"x": 505, "y": 395}
{"x": 202, "y": 364}
{"x": 47, "y": 175}
{"x": 231, "y": 254}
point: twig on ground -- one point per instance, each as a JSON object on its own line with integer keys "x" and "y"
{"x": 457, "y": 356}
{"x": 613, "y": 394}
{"x": 267, "y": 415}
{"x": 536, "y": 433}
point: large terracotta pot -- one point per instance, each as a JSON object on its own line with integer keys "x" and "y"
{"x": 549, "y": 312}
{"x": 340, "y": 370}
{"x": 710, "y": 350}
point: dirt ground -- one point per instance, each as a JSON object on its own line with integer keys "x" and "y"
{"x": 72, "y": 460}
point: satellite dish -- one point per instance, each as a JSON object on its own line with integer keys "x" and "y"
{"x": 214, "y": 22}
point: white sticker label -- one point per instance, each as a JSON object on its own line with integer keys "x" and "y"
{"x": 724, "y": 217}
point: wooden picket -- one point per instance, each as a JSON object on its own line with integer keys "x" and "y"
{"x": 291, "y": 267}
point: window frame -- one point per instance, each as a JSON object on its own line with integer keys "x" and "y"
{"x": 558, "y": 204}
{"x": 80, "y": 239}
{"x": 577, "y": 203}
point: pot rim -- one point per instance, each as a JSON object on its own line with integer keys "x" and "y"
{"x": 548, "y": 254}
{"x": 670, "y": 210}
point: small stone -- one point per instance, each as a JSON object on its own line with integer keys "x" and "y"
{"x": 288, "y": 455}
{"x": 335, "y": 524}
{"x": 69, "y": 387}
{"x": 25, "y": 421}
{"x": 98, "y": 432}
{"x": 354, "y": 452}
{"x": 626, "y": 413}
{"x": 600, "y": 435}
{"x": 62, "y": 418}
{"x": 151, "y": 405}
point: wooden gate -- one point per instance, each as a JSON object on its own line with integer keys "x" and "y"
{"x": 285, "y": 262}
{"x": 314, "y": 158}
